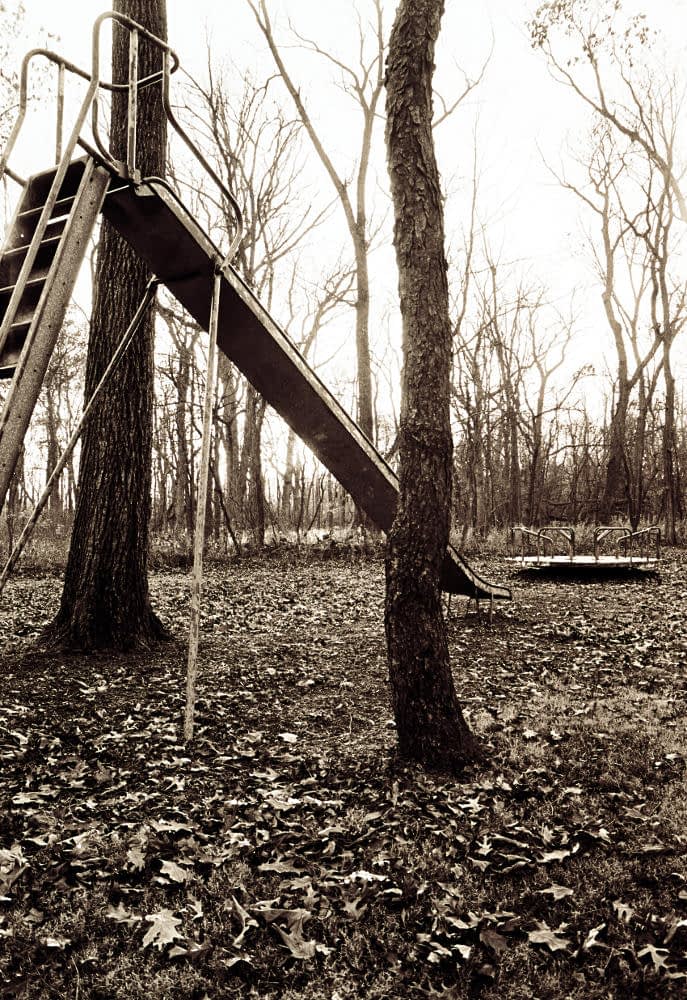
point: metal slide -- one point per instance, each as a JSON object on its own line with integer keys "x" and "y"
{"x": 161, "y": 230}
{"x": 46, "y": 243}
{"x": 157, "y": 225}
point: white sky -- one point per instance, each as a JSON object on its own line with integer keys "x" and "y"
{"x": 521, "y": 113}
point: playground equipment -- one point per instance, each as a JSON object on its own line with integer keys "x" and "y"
{"x": 45, "y": 246}
{"x": 540, "y": 547}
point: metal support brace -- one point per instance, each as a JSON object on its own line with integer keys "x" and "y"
{"x": 199, "y": 533}
{"x": 132, "y": 111}
{"x": 76, "y": 434}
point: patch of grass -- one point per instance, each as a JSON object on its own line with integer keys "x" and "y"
{"x": 288, "y": 850}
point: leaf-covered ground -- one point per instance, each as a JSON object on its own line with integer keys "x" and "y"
{"x": 287, "y": 853}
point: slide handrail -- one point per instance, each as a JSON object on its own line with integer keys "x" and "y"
{"x": 170, "y": 64}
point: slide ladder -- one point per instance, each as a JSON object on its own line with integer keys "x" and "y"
{"x": 44, "y": 249}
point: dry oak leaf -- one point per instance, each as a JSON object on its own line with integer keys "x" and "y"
{"x": 556, "y": 891}
{"x": 296, "y": 943}
{"x": 293, "y": 937}
{"x": 246, "y": 922}
{"x": 135, "y": 859}
{"x": 592, "y": 939}
{"x": 355, "y": 907}
{"x": 492, "y": 939}
{"x": 659, "y": 956}
{"x": 121, "y": 915}
{"x": 163, "y": 929}
{"x": 623, "y": 911}
{"x": 56, "y": 942}
{"x": 194, "y": 949}
{"x": 547, "y": 857}
{"x": 548, "y": 937}
{"x": 174, "y": 872}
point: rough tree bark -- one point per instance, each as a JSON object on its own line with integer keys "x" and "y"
{"x": 430, "y": 726}
{"x": 105, "y": 601}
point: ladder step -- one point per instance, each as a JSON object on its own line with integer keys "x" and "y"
{"x": 8, "y": 289}
{"x": 26, "y": 222}
{"x": 61, "y": 207}
{"x": 20, "y": 328}
{"x": 13, "y": 347}
{"x": 27, "y": 303}
{"x": 20, "y": 236}
{"x": 39, "y": 185}
{"x": 12, "y": 260}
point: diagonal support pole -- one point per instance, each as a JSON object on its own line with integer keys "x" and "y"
{"x": 199, "y": 532}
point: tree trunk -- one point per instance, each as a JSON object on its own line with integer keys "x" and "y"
{"x": 181, "y": 478}
{"x": 288, "y": 482}
{"x": 105, "y": 601}
{"x": 256, "y": 491}
{"x": 615, "y": 484}
{"x": 362, "y": 336}
{"x": 429, "y": 722}
{"x": 53, "y": 449}
{"x": 670, "y": 477}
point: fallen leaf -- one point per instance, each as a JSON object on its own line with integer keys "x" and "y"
{"x": 121, "y": 915}
{"x": 174, "y": 871}
{"x": 550, "y": 856}
{"x": 192, "y": 950}
{"x": 167, "y": 826}
{"x": 591, "y": 941}
{"x": 556, "y": 891}
{"x": 623, "y": 911}
{"x": 674, "y": 925}
{"x": 195, "y": 907}
{"x": 163, "y": 929}
{"x": 56, "y": 942}
{"x": 246, "y": 922}
{"x": 135, "y": 859}
{"x": 355, "y": 907}
{"x": 658, "y": 956}
{"x": 548, "y": 937}
{"x": 297, "y": 945}
{"x": 492, "y": 939}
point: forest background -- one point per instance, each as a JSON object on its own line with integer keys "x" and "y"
{"x": 565, "y": 242}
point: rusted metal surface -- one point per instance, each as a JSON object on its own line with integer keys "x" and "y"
{"x": 153, "y": 220}
{"x": 48, "y": 317}
{"x": 61, "y": 463}
{"x": 182, "y": 256}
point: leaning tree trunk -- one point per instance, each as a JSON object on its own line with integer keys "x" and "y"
{"x": 615, "y": 484}
{"x": 429, "y": 723}
{"x": 670, "y": 477}
{"x": 105, "y": 600}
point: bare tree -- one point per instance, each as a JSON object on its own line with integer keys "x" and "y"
{"x": 105, "y": 601}
{"x": 429, "y": 722}
{"x": 607, "y": 62}
{"x": 668, "y": 316}
{"x": 321, "y": 308}
{"x": 256, "y": 149}
{"x": 364, "y": 83}
{"x": 591, "y": 51}
{"x": 623, "y": 268}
